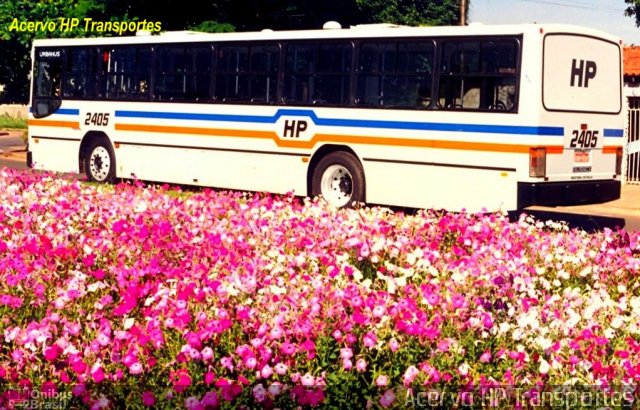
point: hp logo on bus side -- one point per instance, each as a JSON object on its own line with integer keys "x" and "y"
{"x": 295, "y": 128}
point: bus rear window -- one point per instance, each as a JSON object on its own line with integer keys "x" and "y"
{"x": 581, "y": 74}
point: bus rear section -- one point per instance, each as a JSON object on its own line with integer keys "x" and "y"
{"x": 582, "y": 98}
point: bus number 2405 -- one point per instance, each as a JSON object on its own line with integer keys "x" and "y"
{"x": 584, "y": 139}
{"x": 96, "y": 118}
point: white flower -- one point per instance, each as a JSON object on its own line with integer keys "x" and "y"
{"x": 543, "y": 342}
{"x": 128, "y": 323}
{"x": 140, "y": 207}
{"x": 544, "y": 366}
{"x": 617, "y": 322}
{"x": 503, "y": 328}
{"x": 517, "y": 334}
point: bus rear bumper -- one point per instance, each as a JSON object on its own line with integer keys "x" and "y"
{"x": 567, "y": 193}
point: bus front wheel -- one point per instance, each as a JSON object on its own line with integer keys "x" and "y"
{"x": 100, "y": 162}
{"x": 339, "y": 178}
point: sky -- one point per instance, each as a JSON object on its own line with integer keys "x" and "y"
{"x": 605, "y": 15}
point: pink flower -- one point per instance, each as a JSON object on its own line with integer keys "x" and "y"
{"x": 259, "y": 392}
{"x": 369, "y": 340}
{"x": 378, "y": 311}
{"x": 97, "y": 374}
{"x": 135, "y": 368}
{"x": 307, "y": 380}
{"x": 227, "y": 363}
{"x": 487, "y": 321}
{"x": 148, "y": 399}
{"x": 180, "y": 380}
{"x": 287, "y": 348}
{"x": 210, "y": 400}
{"x": 276, "y": 333}
{"x": 192, "y": 403}
{"x": 207, "y": 354}
{"x": 485, "y": 357}
{"x": 275, "y": 389}
{"x": 51, "y": 353}
{"x": 393, "y": 345}
{"x": 387, "y": 398}
{"x": 382, "y": 380}
{"x": 410, "y": 375}
{"x": 266, "y": 371}
{"x": 281, "y": 368}
{"x": 361, "y": 365}
{"x": 457, "y": 301}
{"x": 346, "y": 353}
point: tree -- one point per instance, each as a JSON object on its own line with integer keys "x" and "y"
{"x": 15, "y": 40}
{"x": 633, "y": 10}
{"x": 203, "y": 15}
{"x": 411, "y": 12}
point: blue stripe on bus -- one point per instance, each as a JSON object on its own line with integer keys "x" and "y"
{"x": 340, "y": 122}
{"x": 64, "y": 111}
{"x": 613, "y": 132}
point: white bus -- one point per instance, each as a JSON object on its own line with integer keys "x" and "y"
{"x": 477, "y": 117}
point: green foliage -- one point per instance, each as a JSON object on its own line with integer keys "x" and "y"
{"x": 633, "y": 10}
{"x": 211, "y": 26}
{"x": 210, "y": 16}
{"x": 15, "y": 44}
{"x": 411, "y": 12}
{"x": 7, "y": 121}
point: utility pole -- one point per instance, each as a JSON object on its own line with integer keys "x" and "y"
{"x": 463, "y": 12}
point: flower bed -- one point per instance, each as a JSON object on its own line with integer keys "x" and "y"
{"x": 143, "y": 297}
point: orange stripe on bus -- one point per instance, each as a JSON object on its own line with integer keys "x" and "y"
{"x": 54, "y": 123}
{"x": 611, "y": 149}
{"x": 337, "y": 138}
{"x": 221, "y": 132}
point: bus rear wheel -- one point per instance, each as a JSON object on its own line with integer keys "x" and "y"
{"x": 339, "y": 178}
{"x": 100, "y": 162}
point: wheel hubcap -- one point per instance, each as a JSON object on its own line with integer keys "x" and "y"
{"x": 336, "y": 185}
{"x": 99, "y": 163}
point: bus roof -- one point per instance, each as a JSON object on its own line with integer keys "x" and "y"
{"x": 360, "y": 31}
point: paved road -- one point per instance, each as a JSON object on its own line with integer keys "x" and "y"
{"x": 624, "y": 212}
{"x": 12, "y": 149}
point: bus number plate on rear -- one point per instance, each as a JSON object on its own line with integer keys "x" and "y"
{"x": 580, "y": 156}
{"x": 584, "y": 139}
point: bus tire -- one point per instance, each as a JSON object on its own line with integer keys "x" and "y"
{"x": 339, "y": 178}
{"x": 100, "y": 161}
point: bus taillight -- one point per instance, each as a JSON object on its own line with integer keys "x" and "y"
{"x": 619, "y": 161}
{"x": 537, "y": 162}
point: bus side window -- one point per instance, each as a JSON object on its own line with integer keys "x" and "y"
{"x": 478, "y": 75}
{"x": 395, "y": 74}
{"x": 232, "y": 74}
{"x": 183, "y": 73}
{"x": 333, "y": 79}
{"x": 299, "y": 78}
{"x": 128, "y": 73}
{"x": 80, "y": 73}
{"x": 264, "y": 73}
